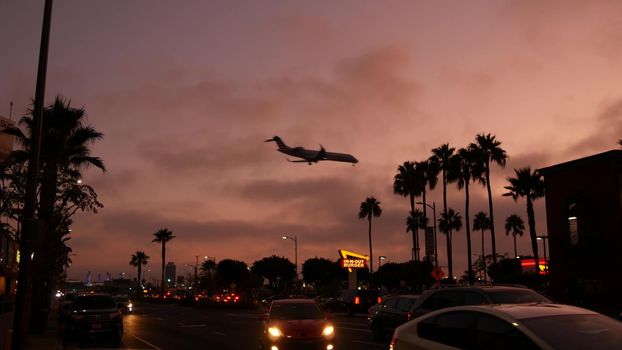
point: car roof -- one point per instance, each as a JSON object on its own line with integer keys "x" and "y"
{"x": 524, "y": 311}
{"x": 294, "y": 301}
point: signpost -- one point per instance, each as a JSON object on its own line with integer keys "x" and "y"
{"x": 352, "y": 261}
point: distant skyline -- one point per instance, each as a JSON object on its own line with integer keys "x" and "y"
{"x": 185, "y": 95}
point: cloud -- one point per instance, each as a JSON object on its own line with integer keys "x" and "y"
{"x": 608, "y": 131}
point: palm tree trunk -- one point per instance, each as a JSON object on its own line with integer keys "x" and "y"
{"x": 483, "y": 257}
{"x": 163, "y": 259}
{"x": 371, "y": 256}
{"x": 468, "y": 234}
{"x": 531, "y": 219}
{"x": 492, "y": 217}
{"x": 415, "y": 233}
{"x": 515, "y": 251}
{"x": 425, "y": 215}
{"x": 449, "y": 259}
{"x": 139, "y": 273}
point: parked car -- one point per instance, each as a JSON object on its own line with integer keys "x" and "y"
{"x": 93, "y": 315}
{"x": 353, "y": 301}
{"x": 297, "y": 324}
{"x": 510, "y": 327}
{"x": 393, "y": 311}
{"x": 124, "y": 304}
{"x": 439, "y": 298}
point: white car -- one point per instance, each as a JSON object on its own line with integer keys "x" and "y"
{"x": 509, "y": 327}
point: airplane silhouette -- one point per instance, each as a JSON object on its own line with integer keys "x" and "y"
{"x": 311, "y": 156}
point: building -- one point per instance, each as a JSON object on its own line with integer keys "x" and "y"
{"x": 170, "y": 274}
{"x": 584, "y": 219}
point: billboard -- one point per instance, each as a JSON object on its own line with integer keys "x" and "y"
{"x": 6, "y": 141}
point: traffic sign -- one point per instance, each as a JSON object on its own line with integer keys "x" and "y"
{"x": 438, "y": 274}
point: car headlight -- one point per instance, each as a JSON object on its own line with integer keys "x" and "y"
{"x": 274, "y": 333}
{"x": 130, "y": 305}
{"x": 328, "y": 331}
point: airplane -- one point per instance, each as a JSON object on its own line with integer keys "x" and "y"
{"x": 311, "y": 156}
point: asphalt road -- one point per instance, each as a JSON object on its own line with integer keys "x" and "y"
{"x": 172, "y": 327}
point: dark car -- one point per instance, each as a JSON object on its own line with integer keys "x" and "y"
{"x": 393, "y": 311}
{"x": 353, "y": 301}
{"x": 93, "y": 315}
{"x": 124, "y": 303}
{"x": 297, "y": 324}
{"x": 440, "y": 298}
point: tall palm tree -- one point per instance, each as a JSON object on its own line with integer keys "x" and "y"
{"x": 427, "y": 175}
{"x": 407, "y": 183}
{"x": 440, "y": 159}
{"x": 138, "y": 260}
{"x": 414, "y": 223}
{"x": 482, "y": 222}
{"x": 528, "y": 185}
{"x": 449, "y": 222}
{"x": 490, "y": 151}
{"x": 370, "y": 207}
{"x": 162, "y": 236}
{"x": 516, "y": 226}
{"x": 462, "y": 173}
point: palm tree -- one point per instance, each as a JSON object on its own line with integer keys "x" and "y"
{"x": 514, "y": 224}
{"x": 462, "y": 172}
{"x": 441, "y": 160}
{"x": 407, "y": 184}
{"x": 489, "y": 150}
{"x": 414, "y": 223}
{"x": 482, "y": 222}
{"x": 528, "y": 185}
{"x": 162, "y": 236}
{"x": 449, "y": 222}
{"x": 427, "y": 175}
{"x": 370, "y": 207}
{"x": 138, "y": 260}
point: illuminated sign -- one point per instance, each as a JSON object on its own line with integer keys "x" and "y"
{"x": 354, "y": 263}
{"x": 348, "y": 255}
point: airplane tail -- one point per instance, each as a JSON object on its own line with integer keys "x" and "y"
{"x": 278, "y": 141}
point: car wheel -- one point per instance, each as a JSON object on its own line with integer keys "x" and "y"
{"x": 377, "y": 331}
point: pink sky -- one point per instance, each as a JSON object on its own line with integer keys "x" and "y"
{"x": 186, "y": 93}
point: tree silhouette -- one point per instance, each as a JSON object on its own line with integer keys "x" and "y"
{"x": 138, "y": 260}
{"x": 162, "y": 236}
{"x": 232, "y": 273}
{"x": 276, "y": 269}
{"x": 441, "y": 160}
{"x": 489, "y": 150}
{"x": 427, "y": 173}
{"x": 462, "y": 172}
{"x": 528, "y": 185}
{"x": 320, "y": 271}
{"x": 370, "y": 207}
{"x": 482, "y": 222}
{"x": 516, "y": 226}
{"x": 407, "y": 183}
{"x": 414, "y": 223}
{"x": 449, "y": 222}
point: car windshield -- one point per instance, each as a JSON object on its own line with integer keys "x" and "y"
{"x": 517, "y": 297}
{"x": 589, "y": 332}
{"x": 93, "y": 302}
{"x": 296, "y": 311}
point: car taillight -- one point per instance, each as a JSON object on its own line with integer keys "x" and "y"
{"x": 379, "y": 300}
{"x": 357, "y": 300}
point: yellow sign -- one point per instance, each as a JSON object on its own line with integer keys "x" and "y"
{"x": 353, "y": 263}
{"x": 348, "y": 255}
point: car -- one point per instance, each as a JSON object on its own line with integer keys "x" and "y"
{"x": 393, "y": 311}
{"x": 297, "y": 324}
{"x": 353, "y": 301}
{"x": 93, "y": 315}
{"x": 124, "y": 303}
{"x": 439, "y": 298}
{"x": 510, "y": 327}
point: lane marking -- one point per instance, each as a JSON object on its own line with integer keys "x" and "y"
{"x": 144, "y": 341}
{"x": 191, "y": 325}
{"x": 159, "y": 319}
{"x": 355, "y": 329}
{"x": 218, "y": 333}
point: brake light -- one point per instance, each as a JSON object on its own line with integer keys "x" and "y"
{"x": 357, "y": 300}
{"x": 379, "y": 300}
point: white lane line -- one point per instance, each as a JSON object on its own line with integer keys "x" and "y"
{"x": 144, "y": 341}
{"x": 159, "y": 319}
{"x": 191, "y": 325}
{"x": 218, "y": 333}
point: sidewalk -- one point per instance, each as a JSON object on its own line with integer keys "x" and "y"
{"x": 49, "y": 340}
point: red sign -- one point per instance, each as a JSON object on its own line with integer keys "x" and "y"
{"x": 437, "y": 274}
{"x": 354, "y": 263}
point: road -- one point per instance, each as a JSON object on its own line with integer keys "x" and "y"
{"x": 172, "y": 327}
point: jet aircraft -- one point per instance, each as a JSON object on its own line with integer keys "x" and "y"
{"x": 311, "y": 156}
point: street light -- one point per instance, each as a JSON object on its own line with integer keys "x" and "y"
{"x": 546, "y": 265}
{"x": 295, "y": 239}
{"x": 433, "y": 207}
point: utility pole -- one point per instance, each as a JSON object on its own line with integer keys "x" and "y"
{"x": 30, "y": 235}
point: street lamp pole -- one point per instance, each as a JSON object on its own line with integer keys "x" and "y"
{"x": 295, "y": 239}
{"x": 546, "y": 264}
{"x": 433, "y": 207}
